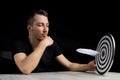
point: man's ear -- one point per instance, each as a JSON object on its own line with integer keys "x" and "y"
{"x": 29, "y": 27}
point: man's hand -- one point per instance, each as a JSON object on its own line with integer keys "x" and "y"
{"x": 91, "y": 66}
{"x": 47, "y": 41}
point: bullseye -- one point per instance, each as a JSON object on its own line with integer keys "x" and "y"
{"x": 106, "y": 52}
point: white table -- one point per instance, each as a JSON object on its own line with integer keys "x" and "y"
{"x": 65, "y": 75}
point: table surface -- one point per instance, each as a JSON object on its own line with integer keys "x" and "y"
{"x": 63, "y": 75}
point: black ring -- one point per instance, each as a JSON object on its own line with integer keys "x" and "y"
{"x": 106, "y": 52}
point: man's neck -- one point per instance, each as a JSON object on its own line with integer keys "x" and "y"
{"x": 34, "y": 42}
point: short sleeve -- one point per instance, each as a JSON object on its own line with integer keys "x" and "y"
{"x": 19, "y": 46}
{"x": 57, "y": 49}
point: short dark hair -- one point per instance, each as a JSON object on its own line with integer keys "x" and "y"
{"x": 38, "y": 11}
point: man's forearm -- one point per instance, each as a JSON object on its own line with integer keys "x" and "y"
{"x": 78, "y": 67}
{"x": 32, "y": 60}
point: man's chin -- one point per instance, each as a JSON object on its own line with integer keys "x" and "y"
{"x": 40, "y": 39}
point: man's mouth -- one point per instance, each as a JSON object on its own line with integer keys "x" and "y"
{"x": 44, "y": 35}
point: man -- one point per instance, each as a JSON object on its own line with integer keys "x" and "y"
{"x": 40, "y": 49}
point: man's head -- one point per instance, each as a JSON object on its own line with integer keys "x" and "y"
{"x": 38, "y": 24}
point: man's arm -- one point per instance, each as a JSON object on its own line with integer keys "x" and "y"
{"x": 76, "y": 66}
{"x": 27, "y": 64}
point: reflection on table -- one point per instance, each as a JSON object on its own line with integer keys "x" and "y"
{"x": 63, "y": 75}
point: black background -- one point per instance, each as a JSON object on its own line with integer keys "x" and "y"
{"x": 72, "y": 25}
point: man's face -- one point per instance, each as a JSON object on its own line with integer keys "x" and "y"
{"x": 40, "y": 27}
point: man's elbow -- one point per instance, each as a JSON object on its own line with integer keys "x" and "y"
{"x": 26, "y": 71}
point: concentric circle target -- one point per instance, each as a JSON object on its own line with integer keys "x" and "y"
{"x": 106, "y": 52}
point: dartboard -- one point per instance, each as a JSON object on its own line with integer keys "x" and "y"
{"x": 106, "y": 52}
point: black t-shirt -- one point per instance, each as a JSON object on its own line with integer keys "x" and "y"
{"x": 47, "y": 61}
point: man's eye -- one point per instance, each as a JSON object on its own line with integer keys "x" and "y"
{"x": 40, "y": 25}
{"x": 47, "y": 25}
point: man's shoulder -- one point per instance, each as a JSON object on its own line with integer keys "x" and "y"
{"x": 55, "y": 44}
{"x": 21, "y": 41}
{"x": 18, "y": 42}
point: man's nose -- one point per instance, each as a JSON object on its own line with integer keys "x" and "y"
{"x": 45, "y": 29}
